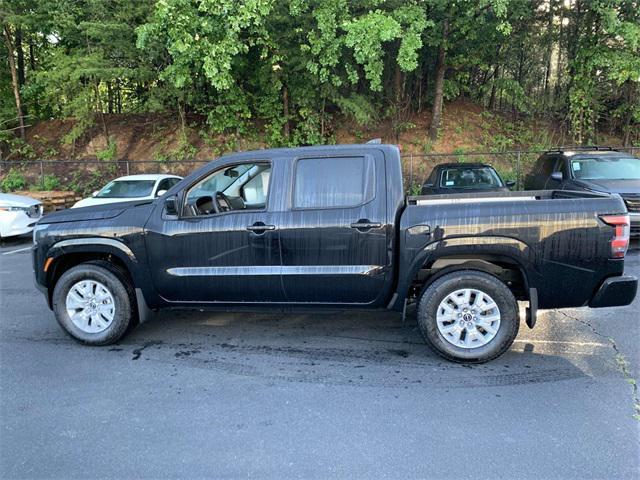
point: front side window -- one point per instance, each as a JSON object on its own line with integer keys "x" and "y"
{"x": 606, "y": 168}
{"x": 127, "y": 189}
{"x": 466, "y": 177}
{"x": 333, "y": 182}
{"x": 238, "y": 187}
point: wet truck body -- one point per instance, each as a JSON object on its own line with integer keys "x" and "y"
{"x": 330, "y": 227}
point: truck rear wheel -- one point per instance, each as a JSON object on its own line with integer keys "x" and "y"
{"x": 468, "y": 316}
{"x": 94, "y": 303}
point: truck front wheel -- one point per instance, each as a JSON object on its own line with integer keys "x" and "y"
{"x": 468, "y": 316}
{"x": 93, "y": 302}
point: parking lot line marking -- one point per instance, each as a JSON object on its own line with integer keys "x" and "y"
{"x": 17, "y": 251}
{"x": 580, "y": 344}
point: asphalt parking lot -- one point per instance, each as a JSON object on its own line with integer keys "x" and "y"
{"x": 355, "y": 395}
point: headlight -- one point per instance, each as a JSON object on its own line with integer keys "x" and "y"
{"x": 13, "y": 209}
{"x": 37, "y": 231}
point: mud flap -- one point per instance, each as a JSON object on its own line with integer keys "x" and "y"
{"x": 144, "y": 312}
{"x": 532, "y": 309}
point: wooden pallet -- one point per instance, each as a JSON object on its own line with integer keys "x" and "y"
{"x": 53, "y": 201}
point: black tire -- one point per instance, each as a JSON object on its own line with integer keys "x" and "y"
{"x": 436, "y": 292}
{"x": 123, "y": 296}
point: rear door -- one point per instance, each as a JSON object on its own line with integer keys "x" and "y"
{"x": 335, "y": 230}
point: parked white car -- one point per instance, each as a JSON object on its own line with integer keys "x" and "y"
{"x": 131, "y": 187}
{"x": 18, "y": 214}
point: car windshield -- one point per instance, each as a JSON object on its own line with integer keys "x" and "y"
{"x": 470, "y": 177}
{"x": 608, "y": 168}
{"x": 127, "y": 189}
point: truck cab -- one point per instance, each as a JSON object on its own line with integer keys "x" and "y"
{"x": 317, "y": 227}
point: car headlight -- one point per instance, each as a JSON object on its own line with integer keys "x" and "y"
{"x": 8, "y": 208}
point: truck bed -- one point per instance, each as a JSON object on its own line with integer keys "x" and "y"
{"x": 556, "y": 236}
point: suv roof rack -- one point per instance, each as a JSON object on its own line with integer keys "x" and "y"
{"x": 581, "y": 148}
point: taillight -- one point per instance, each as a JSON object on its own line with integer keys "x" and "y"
{"x": 620, "y": 240}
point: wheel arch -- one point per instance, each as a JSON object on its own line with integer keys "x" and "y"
{"x": 502, "y": 257}
{"x": 68, "y": 253}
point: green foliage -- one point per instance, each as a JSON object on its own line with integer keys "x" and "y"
{"x": 293, "y": 70}
{"x": 183, "y": 150}
{"x": 358, "y": 108}
{"x": 19, "y": 149}
{"x": 110, "y": 152}
{"x": 84, "y": 183}
{"x": 12, "y": 181}
{"x": 366, "y": 36}
{"x": 50, "y": 182}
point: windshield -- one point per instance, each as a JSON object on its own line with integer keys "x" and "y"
{"x": 127, "y": 189}
{"x": 611, "y": 168}
{"x": 470, "y": 177}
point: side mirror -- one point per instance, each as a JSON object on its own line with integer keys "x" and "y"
{"x": 95, "y": 194}
{"x": 159, "y": 193}
{"x": 428, "y": 185}
{"x": 171, "y": 205}
{"x": 557, "y": 176}
{"x": 510, "y": 183}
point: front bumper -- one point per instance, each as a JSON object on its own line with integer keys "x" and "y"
{"x": 16, "y": 223}
{"x": 615, "y": 292}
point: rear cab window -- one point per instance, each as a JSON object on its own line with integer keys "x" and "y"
{"x": 333, "y": 182}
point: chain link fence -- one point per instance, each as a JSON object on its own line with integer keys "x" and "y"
{"x": 85, "y": 176}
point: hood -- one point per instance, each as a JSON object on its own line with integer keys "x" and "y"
{"x": 611, "y": 186}
{"x": 9, "y": 200}
{"x": 97, "y": 212}
{"x": 92, "y": 201}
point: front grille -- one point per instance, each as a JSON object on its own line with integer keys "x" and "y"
{"x": 633, "y": 203}
{"x": 34, "y": 211}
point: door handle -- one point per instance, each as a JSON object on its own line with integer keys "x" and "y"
{"x": 260, "y": 227}
{"x": 364, "y": 225}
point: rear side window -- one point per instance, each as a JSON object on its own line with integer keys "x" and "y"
{"x": 333, "y": 182}
{"x": 547, "y": 165}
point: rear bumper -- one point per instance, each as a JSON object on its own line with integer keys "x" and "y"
{"x": 615, "y": 292}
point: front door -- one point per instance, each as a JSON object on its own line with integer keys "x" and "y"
{"x": 335, "y": 234}
{"x": 224, "y": 245}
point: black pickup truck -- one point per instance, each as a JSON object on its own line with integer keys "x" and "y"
{"x": 330, "y": 227}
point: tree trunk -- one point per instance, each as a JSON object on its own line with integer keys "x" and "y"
{"x": 420, "y": 90}
{"x": 32, "y": 56}
{"x": 492, "y": 98}
{"x": 119, "y": 96}
{"x": 105, "y": 129}
{"x": 14, "y": 80}
{"x": 109, "y": 97}
{"x": 549, "y": 55}
{"x": 20, "y": 55}
{"x": 441, "y": 67}
{"x": 285, "y": 111}
{"x": 397, "y": 84}
{"x": 556, "y": 89}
